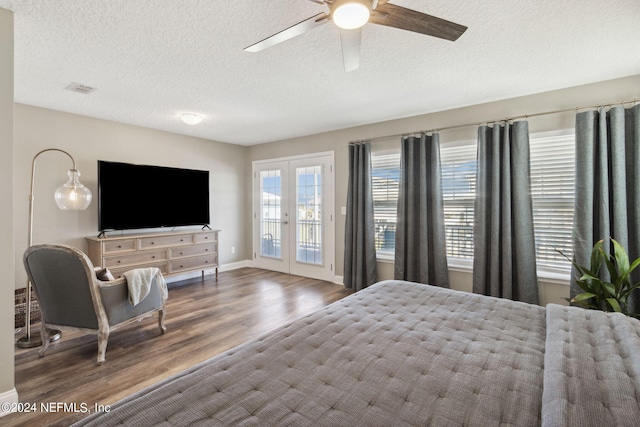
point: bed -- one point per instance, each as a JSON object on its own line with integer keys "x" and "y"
{"x": 407, "y": 354}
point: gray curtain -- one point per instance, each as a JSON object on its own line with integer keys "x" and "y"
{"x": 504, "y": 261}
{"x": 420, "y": 251}
{"x": 607, "y": 201}
{"x": 360, "y": 268}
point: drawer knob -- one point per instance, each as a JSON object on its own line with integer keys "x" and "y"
{"x": 153, "y": 243}
{"x": 206, "y": 262}
{"x": 119, "y": 261}
{"x": 206, "y": 250}
{"x": 181, "y": 253}
{"x": 153, "y": 257}
{"x": 182, "y": 240}
{"x": 206, "y": 237}
{"x": 181, "y": 265}
{"x": 119, "y": 246}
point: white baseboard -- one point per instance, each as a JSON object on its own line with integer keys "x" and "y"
{"x": 197, "y": 274}
{"x": 10, "y": 397}
{"x": 236, "y": 265}
{"x": 338, "y": 280}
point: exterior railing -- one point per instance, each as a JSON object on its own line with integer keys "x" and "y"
{"x": 459, "y": 238}
{"x": 308, "y": 238}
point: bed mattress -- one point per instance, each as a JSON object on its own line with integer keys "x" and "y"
{"x": 396, "y": 353}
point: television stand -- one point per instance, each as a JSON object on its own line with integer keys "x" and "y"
{"x": 175, "y": 252}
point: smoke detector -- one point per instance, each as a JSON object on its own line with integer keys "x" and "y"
{"x": 80, "y": 88}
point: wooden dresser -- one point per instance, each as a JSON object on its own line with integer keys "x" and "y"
{"x": 173, "y": 253}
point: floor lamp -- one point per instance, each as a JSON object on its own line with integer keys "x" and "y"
{"x": 71, "y": 196}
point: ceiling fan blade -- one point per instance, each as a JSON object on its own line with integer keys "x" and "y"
{"x": 350, "y": 40}
{"x": 291, "y": 32}
{"x": 400, "y": 17}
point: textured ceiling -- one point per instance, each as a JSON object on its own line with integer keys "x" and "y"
{"x": 153, "y": 59}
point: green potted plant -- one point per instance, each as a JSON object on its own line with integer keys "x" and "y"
{"x": 600, "y": 294}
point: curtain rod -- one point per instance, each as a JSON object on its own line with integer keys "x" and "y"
{"x": 525, "y": 116}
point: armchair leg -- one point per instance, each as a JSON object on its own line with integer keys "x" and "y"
{"x": 103, "y": 338}
{"x": 163, "y": 328}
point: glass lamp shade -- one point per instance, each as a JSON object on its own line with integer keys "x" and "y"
{"x": 351, "y": 14}
{"x": 73, "y": 195}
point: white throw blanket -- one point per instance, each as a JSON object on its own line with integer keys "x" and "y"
{"x": 139, "y": 282}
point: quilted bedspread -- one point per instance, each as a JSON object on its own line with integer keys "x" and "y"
{"x": 394, "y": 354}
{"x": 592, "y": 368}
{"x": 406, "y": 354}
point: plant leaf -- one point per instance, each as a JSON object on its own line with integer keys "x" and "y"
{"x": 584, "y": 285}
{"x": 622, "y": 259}
{"x": 610, "y": 288}
{"x": 614, "y": 305}
{"x": 583, "y": 296}
{"x": 585, "y": 304}
{"x": 582, "y": 270}
{"x": 589, "y": 276}
{"x": 625, "y": 275}
{"x": 634, "y": 264}
{"x": 611, "y": 267}
{"x": 596, "y": 258}
{"x": 627, "y": 292}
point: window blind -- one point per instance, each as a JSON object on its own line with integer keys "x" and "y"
{"x": 552, "y": 193}
{"x": 458, "y": 163}
{"x": 385, "y": 177}
{"x": 552, "y": 190}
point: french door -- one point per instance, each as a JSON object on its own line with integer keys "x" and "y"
{"x": 293, "y": 211}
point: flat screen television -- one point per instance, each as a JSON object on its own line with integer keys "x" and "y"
{"x": 142, "y": 196}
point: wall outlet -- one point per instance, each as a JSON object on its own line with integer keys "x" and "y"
{"x": 233, "y": 249}
{"x": 343, "y": 210}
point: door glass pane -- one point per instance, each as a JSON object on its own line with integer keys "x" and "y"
{"x": 270, "y": 216}
{"x": 309, "y": 217}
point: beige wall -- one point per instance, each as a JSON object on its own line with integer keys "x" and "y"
{"x": 588, "y": 95}
{"x": 88, "y": 140}
{"x": 7, "y": 390}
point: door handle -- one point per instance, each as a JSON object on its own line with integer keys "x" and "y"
{"x": 285, "y": 222}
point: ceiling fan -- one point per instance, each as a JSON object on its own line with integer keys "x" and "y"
{"x": 351, "y": 15}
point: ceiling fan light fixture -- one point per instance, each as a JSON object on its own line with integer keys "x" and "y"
{"x": 351, "y": 14}
{"x": 191, "y": 118}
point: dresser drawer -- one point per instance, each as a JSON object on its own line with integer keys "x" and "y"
{"x": 206, "y": 237}
{"x": 193, "y": 250}
{"x": 174, "y": 252}
{"x": 135, "y": 258}
{"x": 120, "y": 245}
{"x": 119, "y": 272}
{"x": 164, "y": 241}
{"x": 200, "y": 262}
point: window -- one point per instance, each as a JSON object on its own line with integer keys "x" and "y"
{"x": 552, "y": 192}
{"x": 385, "y": 179}
{"x": 458, "y": 164}
{"x": 552, "y": 189}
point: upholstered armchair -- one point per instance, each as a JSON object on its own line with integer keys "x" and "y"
{"x": 71, "y": 297}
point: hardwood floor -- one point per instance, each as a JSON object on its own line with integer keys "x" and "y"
{"x": 204, "y": 318}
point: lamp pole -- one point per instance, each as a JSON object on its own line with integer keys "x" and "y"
{"x": 34, "y": 340}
